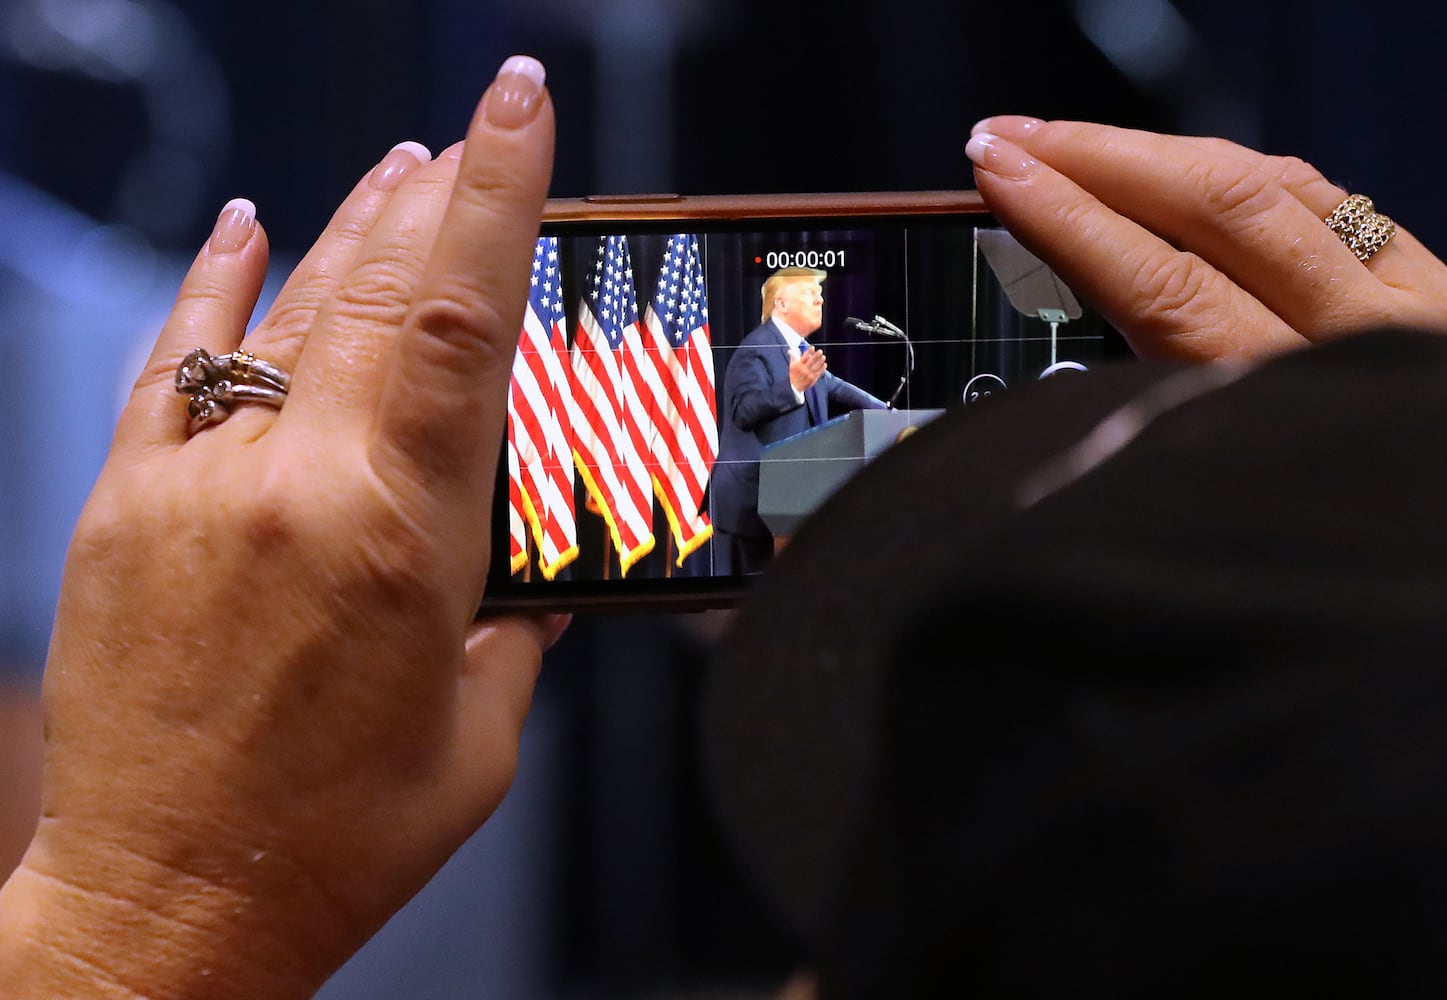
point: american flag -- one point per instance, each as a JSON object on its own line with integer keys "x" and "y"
{"x": 540, "y": 418}
{"x": 516, "y": 522}
{"x": 609, "y": 419}
{"x": 679, "y": 393}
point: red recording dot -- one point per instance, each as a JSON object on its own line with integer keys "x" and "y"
{"x": 758, "y": 260}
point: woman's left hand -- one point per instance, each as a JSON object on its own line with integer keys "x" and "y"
{"x": 271, "y": 716}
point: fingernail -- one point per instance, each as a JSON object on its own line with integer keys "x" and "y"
{"x": 400, "y": 161}
{"x": 454, "y": 151}
{"x": 234, "y": 226}
{"x": 1000, "y": 157}
{"x": 1008, "y": 126}
{"x": 515, "y": 96}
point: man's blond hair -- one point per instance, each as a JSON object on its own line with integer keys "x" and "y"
{"x": 784, "y": 276}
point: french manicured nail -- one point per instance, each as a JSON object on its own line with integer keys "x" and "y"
{"x": 400, "y": 161}
{"x": 234, "y": 226}
{"x": 999, "y": 156}
{"x": 1007, "y": 126}
{"x": 515, "y": 96}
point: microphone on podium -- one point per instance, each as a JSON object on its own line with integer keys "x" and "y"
{"x": 880, "y": 326}
{"x": 884, "y": 328}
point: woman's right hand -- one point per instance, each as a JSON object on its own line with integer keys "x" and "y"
{"x": 1196, "y": 248}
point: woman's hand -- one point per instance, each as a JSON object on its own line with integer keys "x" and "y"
{"x": 1196, "y": 248}
{"x": 271, "y": 717}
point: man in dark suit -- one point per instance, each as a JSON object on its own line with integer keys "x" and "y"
{"x": 776, "y": 385}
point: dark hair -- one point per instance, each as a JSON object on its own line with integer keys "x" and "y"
{"x": 1175, "y": 730}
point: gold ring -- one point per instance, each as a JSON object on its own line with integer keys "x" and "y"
{"x": 1359, "y": 225}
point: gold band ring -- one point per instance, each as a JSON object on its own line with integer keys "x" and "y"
{"x": 1359, "y": 225}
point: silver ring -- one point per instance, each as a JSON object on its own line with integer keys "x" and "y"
{"x": 215, "y": 384}
{"x": 1359, "y": 225}
{"x": 247, "y": 367}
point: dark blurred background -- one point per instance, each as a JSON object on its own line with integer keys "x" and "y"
{"x": 126, "y": 124}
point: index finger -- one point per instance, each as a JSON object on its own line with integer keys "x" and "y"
{"x": 1257, "y": 220}
{"x": 444, "y": 405}
{"x": 1165, "y": 302}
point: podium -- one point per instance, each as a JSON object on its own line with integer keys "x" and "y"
{"x": 799, "y": 473}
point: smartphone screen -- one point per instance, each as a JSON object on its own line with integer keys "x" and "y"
{"x": 694, "y": 378}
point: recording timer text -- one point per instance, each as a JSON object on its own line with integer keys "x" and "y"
{"x": 822, "y": 259}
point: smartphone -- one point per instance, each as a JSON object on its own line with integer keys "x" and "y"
{"x": 659, "y": 451}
